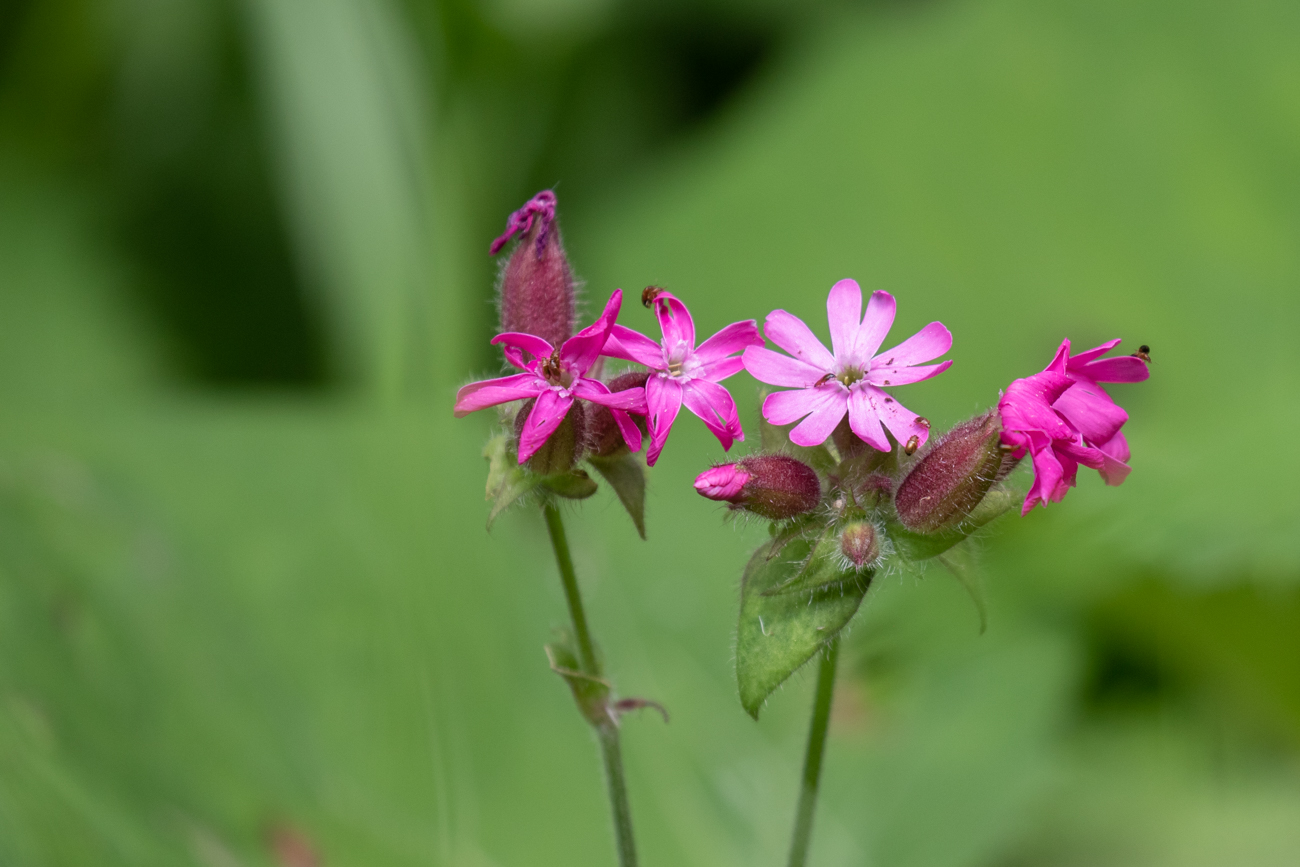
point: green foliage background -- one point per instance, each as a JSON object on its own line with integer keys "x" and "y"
{"x": 244, "y": 579}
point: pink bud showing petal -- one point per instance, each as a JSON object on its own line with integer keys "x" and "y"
{"x": 953, "y": 476}
{"x": 777, "y": 487}
{"x": 536, "y": 287}
{"x": 723, "y": 483}
{"x": 858, "y": 544}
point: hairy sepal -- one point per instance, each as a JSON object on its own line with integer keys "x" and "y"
{"x": 918, "y": 546}
{"x": 507, "y": 481}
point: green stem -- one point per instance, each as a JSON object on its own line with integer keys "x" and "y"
{"x": 606, "y": 732}
{"x": 812, "y": 763}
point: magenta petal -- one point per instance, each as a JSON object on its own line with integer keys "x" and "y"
{"x": 1091, "y": 411}
{"x": 716, "y": 371}
{"x": 548, "y": 412}
{"x": 582, "y": 349}
{"x": 1077, "y": 451}
{"x": 785, "y": 407}
{"x": 814, "y": 430}
{"x": 791, "y": 334}
{"x": 628, "y": 400}
{"x": 674, "y": 320}
{"x": 901, "y": 421}
{"x": 875, "y": 326}
{"x": 1121, "y": 368}
{"x": 530, "y": 343}
{"x": 1113, "y": 471}
{"x": 889, "y": 376}
{"x": 490, "y": 392}
{"x": 844, "y": 312}
{"x": 1048, "y": 475}
{"x": 631, "y": 433}
{"x": 864, "y": 419}
{"x": 631, "y": 345}
{"x": 925, "y": 345}
{"x": 663, "y": 401}
{"x": 722, "y": 483}
{"x": 713, "y": 404}
{"x": 777, "y": 369}
{"x": 1027, "y": 404}
{"x": 1116, "y": 448}
{"x": 734, "y": 338}
{"x": 1082, "y": 358}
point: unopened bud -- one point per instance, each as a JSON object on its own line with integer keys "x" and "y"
{"x": 777, "y": 487}
{"x": 953, "y": 476}
{"x": 536, "y": 286}
{"x": 563, "y": 448}
{"x": 603, "y": 437}
{"x": 858, "y": 543}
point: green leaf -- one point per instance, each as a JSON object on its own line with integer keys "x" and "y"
{"x": 507, "y": 481}
{"x": 822, "y": 568}
{"x": 591, "y": 693}
{"x": 778, "y": 634}
{"x": 964, "y": 571}
{"x": 627, "y": 477}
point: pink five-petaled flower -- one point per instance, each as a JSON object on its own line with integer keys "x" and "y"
{"x": 683, "y": 373}
{"x": 852, "y": 378}
{"x": 556, "y": 377}
{"x": 1062, "y": 418}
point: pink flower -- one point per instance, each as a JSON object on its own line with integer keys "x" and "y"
{"x": 684, "y": 373}
{"x": 556, "y": 378}
{"x": 852, "y": 378}
{"x": 1062, "y": 418}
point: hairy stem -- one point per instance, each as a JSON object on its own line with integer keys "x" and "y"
{"x": 812, "y": 763}
{"x": 607, "y": 732}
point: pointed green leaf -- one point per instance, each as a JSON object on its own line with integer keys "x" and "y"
{"x": 506, "y": 481}
{"x": 778, "y": 634}
{"x": 822, "y": 569}
{"x": 627, "y": 477}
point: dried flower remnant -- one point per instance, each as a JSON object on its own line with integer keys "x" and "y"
{"x": 536, "y": 287}
{"x": 682, "y": 373}
{"x": 851, "y": 379}
{"x": 556, "y": 377}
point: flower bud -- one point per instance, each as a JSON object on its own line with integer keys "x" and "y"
{"x": 953, "y": 475}
{"x": 603, "y": 437}
{"x": 776, "y": 487}
{"x": 858, "y": 543}
{"x": 536, "y": 288}
{"x": 563, "y": 448}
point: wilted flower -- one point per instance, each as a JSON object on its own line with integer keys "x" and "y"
{"x": 1039, "y": 419}
{"x": 556, "y": 377}
{"x": 852, "y": 378}
{"x": 536, "y": 289}
{"x": 684, "y": 373}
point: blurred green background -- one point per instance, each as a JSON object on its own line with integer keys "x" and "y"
{"x": 249, "y": 613}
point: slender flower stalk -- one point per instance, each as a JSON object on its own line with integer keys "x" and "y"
{"x": 812, "y": 763}
{"x": 607, "y": 731}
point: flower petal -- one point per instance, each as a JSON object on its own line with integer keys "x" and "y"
{"x": 875, "y": 326}
{"x": 490, "y": 392}
{"x": 777, "y": 369}
{"x": 814, "y": 430}
{"x": 1027, "y": 404}
{"x": 529, "y": 343}
{"x": 628, "y": 400}
{"x": 844, "y": 312}
{"x": 1121, "y": 368}
{"x": 785, "y": 407}
{"x": 1091, "y": 411}
{"x": 1116, "y": 448}
{"x": 631, "y": 345}
{"x": 1048, "y": 475}
{"x": 864, "y": 420}
{"x": 582, "y": 349}
{"x": 734, "y": 338}
{"x": 929, "y": 343}
{"x": 548, "y": 412}
{"x": 674, "y": 320}
{"x": 1082, "y": 358}
{"x": 889, "y": 376}
{"x": 631, "y": 433}
{"x": 791, "y": 334}
{"x": 901, "y": 421}
{"x": 713, "y": 404}
{"x": 663, "y": 401}
{"x": 716, "y": 371}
